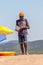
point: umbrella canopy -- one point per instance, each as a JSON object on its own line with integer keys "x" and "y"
{"x": 2, "y": 38}
{"x": 5, "y": 31}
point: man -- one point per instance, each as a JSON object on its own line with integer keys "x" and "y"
{"x": 21, "y": 27}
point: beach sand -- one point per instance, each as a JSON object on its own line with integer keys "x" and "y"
{"x": 22, "y": 60}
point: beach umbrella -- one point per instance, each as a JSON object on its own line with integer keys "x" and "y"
{"x": 5, "y": 30}
{"x": 2, "y": 38}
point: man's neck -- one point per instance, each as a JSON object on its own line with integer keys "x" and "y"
{"x": 22, "y": 19}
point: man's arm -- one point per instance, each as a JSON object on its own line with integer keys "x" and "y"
{"x": 16, "y": 25}
{"x": 27, "y": 25}
{"x": 17, "y": 28}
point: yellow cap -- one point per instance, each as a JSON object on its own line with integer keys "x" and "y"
{"x": 21, "y": 14}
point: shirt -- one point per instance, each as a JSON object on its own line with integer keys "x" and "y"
{"x": 23, "y": 22}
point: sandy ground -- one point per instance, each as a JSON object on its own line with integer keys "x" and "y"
{"x": 22, "y": 60}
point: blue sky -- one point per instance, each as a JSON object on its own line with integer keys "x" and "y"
{"x": 33, "y": 9}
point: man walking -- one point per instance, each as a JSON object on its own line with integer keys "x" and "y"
{"x": 21, "y": 27}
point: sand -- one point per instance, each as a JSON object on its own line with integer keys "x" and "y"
{"x": 22, "y": 60}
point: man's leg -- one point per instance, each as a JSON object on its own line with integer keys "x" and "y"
{"x": 21, "y": 43}
{"x": 22, "y": 48}
{"x": 25, "y": 46}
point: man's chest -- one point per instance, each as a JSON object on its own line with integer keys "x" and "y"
{"x": 22, "y": 23}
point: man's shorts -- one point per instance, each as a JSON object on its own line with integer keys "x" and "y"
{"x": 22, "y": 38}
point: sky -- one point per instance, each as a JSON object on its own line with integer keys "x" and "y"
{"x": 33, "y": 10}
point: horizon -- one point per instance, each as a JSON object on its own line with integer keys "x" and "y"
{"x": 17, "y": 40}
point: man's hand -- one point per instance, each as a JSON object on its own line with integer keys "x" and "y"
{"x": 17, "y": 28}
{"x": 27, "y": 27}
{"x": 24, "y": 27}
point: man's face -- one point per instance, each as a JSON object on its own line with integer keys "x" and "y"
{"x": 21, "y": 17}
